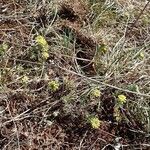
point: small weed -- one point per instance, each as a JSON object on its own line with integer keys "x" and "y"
{"x": 102, "y": 48}
{"x": 41, "y": 41}
{"x": 53, "y": 85}
{"x": 45, "y": 55}
{"x": 43, "y": 46}
{"x": 117, "y": 114}
{"x": 141, "y": 55}
{"x": 133, "y": 87}
{"x": 3, "y": 48}
{"x": 121, "y": 99}
{"x": 95, "y": 122}
{"x": 95, "y": 92}
{"x": 25, "y": 79}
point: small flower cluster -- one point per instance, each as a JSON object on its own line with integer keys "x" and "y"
{"x": 25, "y": 79}
{"x": 95, "y": 92}
{"x": 121, "y": 100}
{"x": 95, "y": 122}
{"x": 53, "y": 85}
{"x": 44, "y": 46}
{"x": 103, "y": 48}
{"x": 3, "y": 48}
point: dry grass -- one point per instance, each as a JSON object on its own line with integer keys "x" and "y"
{"x": 92, "y": 45}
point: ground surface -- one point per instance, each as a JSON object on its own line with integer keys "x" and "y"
{"x": 92, "y": 52}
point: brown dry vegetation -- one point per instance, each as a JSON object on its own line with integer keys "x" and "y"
{"x": 92, "y": 44}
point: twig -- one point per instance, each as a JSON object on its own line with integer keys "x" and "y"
{"x": 85, "y": 77}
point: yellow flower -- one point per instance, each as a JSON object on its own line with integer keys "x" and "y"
{"x": 53, "y": 85}
{"x": 103, "y": 48}
{"x": 122, "y": 99}
{"x": 25, "y": 79}
{"x": 141, "y": 55}
{"x": 117, "y": 114}
{"x": 96, "y": 92}
{"x": 3, "y": 48}
{"x": 44, "y": 48}
{"x": 41, "y": 41}
{"x": 95, "y": 122}
{"x": 45, "y": 55}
